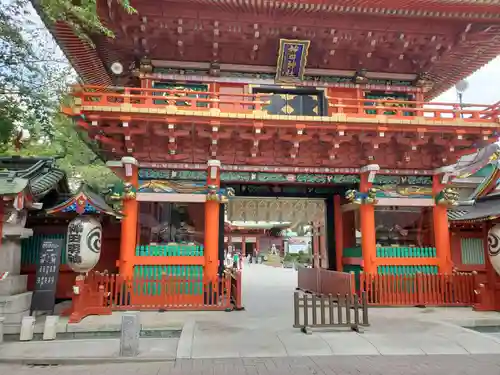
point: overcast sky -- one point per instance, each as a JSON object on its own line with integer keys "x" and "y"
{"x": 484, "y": 86}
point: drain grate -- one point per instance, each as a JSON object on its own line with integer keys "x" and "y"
{"x": 151, "y": 334}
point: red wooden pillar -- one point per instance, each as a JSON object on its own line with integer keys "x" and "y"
{"x": 128, "y": 238}
{"x": 367, "y": 217}
{"x": 212, "y": 208}
{"x": 339, "y": 232}
{"x": 146, "y": 83}
{"x": 349, "y": 224}
{"x": 441, "y": 230}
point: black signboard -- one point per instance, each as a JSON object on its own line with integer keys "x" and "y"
{"x": 44, "y": 294}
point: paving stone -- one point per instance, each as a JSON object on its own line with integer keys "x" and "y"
{"x": 322, "y": 365}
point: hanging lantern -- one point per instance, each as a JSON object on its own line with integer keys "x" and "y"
{"x": 83, "y": 243}
{"x": 494, "y": 247}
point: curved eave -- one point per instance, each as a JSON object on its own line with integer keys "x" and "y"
{"x": 476, "y": 220}
{"x": 99, "y": 208}
{"x": 105, "y": 210}
{"x": 43, "y": 184}
{"x": 13, "y": 187}
{"x": 459, "y": 9}
{"x": 82, "y": 56}
{"x": 490, "y": 185}
{"x": 461, "y": 65}
{"x": 89, "y": 65}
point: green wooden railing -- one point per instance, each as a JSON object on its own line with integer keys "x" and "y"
{"x": 406, "y": 252}
{"x": 30, "y": 248}
{"x": 393, "y": 252}
{"x": 406, "y": 270}
{"x": 190, "y": 279}
{"x": 169, "y": 250}
{"x": 156, "y": 272}
{"x": 352, "y": 252}
{"x": 472, "y": 250}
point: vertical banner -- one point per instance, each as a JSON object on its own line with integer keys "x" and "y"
{"x": 292, "y": 60}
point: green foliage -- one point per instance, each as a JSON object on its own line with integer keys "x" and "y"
{"x": 73, "y": 154}
{"x": 34, "y": 76}
{"x": 23, "y": 82}
{"x": 81, "y": 16}
{"x": 301, "y": 257}
{"x": 33, "y": 72}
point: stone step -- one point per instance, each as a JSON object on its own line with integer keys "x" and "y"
{"x": 13, "y": 284}
{"x": 16, "y": 303}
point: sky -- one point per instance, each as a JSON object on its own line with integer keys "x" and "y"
{"x": 483, "y": 86}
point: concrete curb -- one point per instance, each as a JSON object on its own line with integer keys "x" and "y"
{"x": 185, "y": 343}
{"x": 80, "y": 361}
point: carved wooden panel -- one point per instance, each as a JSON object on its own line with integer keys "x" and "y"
{"x": 294, "y": 210}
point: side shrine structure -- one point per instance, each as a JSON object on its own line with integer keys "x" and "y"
{"x": 207, "y": 108}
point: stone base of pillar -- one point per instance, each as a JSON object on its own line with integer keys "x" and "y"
{"x": 15, "y": 301}
{"x": 13, "y": 284}
{"x": 10, "y": 256}
{"x": 14, "y": 309}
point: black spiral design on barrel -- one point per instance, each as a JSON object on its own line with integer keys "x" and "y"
{"x": 94, "y": 240}
{"x": 493, "y": 244}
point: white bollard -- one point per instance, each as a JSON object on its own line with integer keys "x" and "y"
{"x": 27, "y": 328}
{"x": 1, "y": 328}
{"x": 50, "y": 327}
{"x": 129, "y": 339}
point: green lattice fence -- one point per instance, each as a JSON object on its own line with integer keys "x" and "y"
{"x": 30, "y": 248}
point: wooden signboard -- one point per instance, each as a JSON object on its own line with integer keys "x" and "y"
{"x": 47, "y": 271}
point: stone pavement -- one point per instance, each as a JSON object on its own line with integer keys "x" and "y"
{"x": 338, "y": 365}
{"x": 264, "y": 329}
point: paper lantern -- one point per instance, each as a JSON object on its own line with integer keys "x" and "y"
{"x": 494, "y": 247}
{"x": 83, "y": 243}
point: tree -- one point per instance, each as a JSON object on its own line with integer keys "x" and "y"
{"x": 33, "y": 71}
{"x": 27, "y": 92}
{"x": 81, "y": 16}
{"x": 72, "y": 153}
{"x": 34, "y": 76}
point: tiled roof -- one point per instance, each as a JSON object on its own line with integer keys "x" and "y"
{"x": 12, "y": 186}
{"x": 38, "y": 175}
{"x": 456, "y": 214}
{"x": 93, "y": 203}
{"x": 42, "y": 184}
{"x": 482, "y": 210}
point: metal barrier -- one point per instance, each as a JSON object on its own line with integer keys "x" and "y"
{"x": 328, "y": 311}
